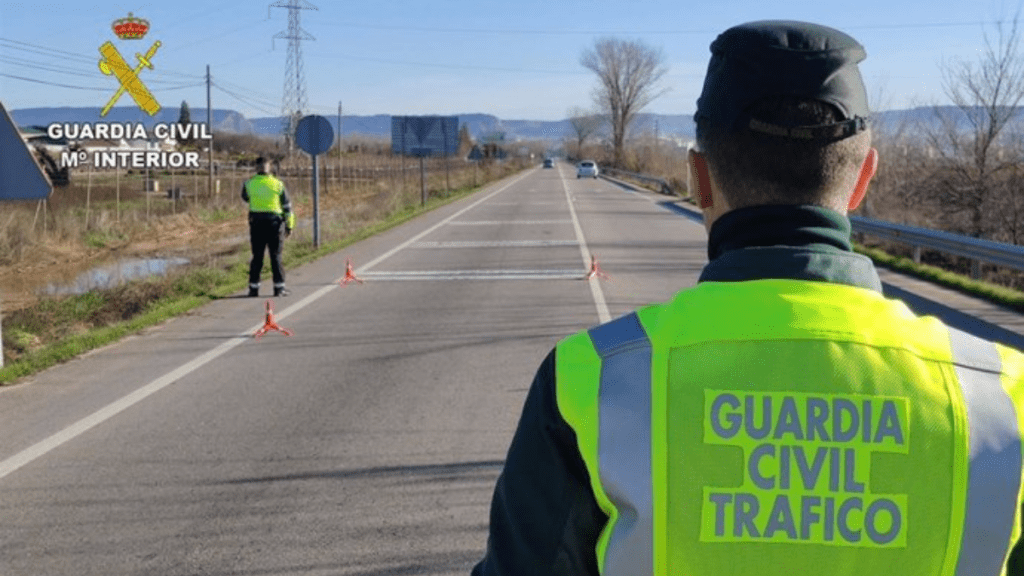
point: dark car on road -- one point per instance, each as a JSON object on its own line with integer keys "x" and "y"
{"x": 549, "y": 163}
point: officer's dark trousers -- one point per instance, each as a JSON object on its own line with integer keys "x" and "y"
{"x": 266, "y": 231}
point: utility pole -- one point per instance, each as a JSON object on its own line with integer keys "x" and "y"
{"x": 339, "y": 142}
{"x": 209, "y": 124}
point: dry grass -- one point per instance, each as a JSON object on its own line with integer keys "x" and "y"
{"x": 55, "y": 328}
{"x": 104, "y": 209}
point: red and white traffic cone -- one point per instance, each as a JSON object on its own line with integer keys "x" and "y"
{"x": 595, "y": 270}
{"x": 350, "y": 275}
{"x": 270, "y": 325}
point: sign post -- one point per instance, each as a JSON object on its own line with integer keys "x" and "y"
{"x": 314, "y": 136}
{"x": 422, "y": 152}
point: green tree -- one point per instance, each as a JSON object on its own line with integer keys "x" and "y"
{"x": 465, "y": 140}
{"x": 184, "y": 118}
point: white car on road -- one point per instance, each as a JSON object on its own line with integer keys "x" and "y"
{"x": 586, "y": 169}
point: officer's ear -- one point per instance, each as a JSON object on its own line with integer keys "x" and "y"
{"x": 867, "y": 172}
{"x": 699, "y": 178}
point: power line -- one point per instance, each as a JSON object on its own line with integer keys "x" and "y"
{"x": 36, "y": 65}
{"x": 43, "y": 66}
{"x": 263, "y": 97}
{"x": 178, "y": 87}
{"x": 106, "y": 89}
{"x": 448, "y": 66}
{"x": 577, "y": 31}
{"x": 51, "y": 52}
{"x": 221, "y": 34}
{"x": 95, "y": 88}
{"x": 241, "y": 99}
{"x": 64, "y": 55}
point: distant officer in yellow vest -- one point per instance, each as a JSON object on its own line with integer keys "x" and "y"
{"x": 782, "y": 417}
{"x": 270, "y": 220}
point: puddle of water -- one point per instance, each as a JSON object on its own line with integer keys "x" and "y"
{"x": 114, "y": 274}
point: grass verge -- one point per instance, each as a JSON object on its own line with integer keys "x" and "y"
{"x": 994, "y": 293}
{"x": 59, "y": 329}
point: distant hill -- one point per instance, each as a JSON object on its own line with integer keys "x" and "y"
{"x": 227, "y": 120}
{"x": 480, "y": 125}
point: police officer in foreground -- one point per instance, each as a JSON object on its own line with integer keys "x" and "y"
{"x": 782, "y": 416}
{"x": 270, "y": 220}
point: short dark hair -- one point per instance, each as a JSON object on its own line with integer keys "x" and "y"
{"x": 753, "y": 168}
{"x": 261, "y": 161}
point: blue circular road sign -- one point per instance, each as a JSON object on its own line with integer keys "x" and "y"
{"x": 314, "y": 134}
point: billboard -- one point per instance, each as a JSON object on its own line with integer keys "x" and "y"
{"x": 425, "y": 135}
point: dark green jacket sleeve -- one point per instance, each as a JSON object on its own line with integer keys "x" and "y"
{"x": 286, "y": 204}
{"x": 1015, "y": 563}
{"x": 544, "y": 518}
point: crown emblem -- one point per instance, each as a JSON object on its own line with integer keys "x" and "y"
{"x": 130, "y": 28}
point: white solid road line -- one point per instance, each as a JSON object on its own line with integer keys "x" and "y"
{"x": 530, "y": 203}
{"x": 415, "y": 238}
{"x": 495, "y": 244}
{"x": 497, "y": 222}
{"x": 13, "y": 463}
{"x": 29, "y": 454}
{"x": 510, "y": 274}
{"x": 595, "y": 287}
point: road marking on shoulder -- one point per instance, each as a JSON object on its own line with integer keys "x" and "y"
{"x": 495, "y": 244}
{"x": 496, "y": 222}
{"x": 447, "y": 220}
{"x": 527, "y": 203}
{"x": 24, "y": 457}
{"x": 509, "y": 274}
{"x": 595, "y": 286}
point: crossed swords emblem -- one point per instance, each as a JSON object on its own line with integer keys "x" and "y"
{"x": 113, "y": 63}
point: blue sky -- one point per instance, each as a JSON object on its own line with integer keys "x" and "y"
{"x": 514, "y": 59}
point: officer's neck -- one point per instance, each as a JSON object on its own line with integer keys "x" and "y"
{"x": 808, "y": 226}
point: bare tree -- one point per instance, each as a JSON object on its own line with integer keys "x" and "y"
{"x": 628, "y": 72}
{"x": 584, "y": 124}
{"x": 900, "y": 191}
{"x": 1007, "y": 209}
{"x": 985, "y": 96}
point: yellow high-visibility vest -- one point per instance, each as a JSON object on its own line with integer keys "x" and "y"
{"x": 778, "y": 427}
{"x": 264, "y": 192}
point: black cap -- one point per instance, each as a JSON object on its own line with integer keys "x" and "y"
{"x": 784, "y": 58}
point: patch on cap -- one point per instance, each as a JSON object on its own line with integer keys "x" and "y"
{"x": 784, "y": 58}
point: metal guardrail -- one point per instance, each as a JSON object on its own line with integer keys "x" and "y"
{"x": 978, "y": 250}
{"x": 665, "y": 188}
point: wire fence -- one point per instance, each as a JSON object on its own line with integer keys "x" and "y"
{"x": 102, "y": 204}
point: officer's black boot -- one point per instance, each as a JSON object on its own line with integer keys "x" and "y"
{"x": 254, "y": 292}
{"x": 282, "y": 291}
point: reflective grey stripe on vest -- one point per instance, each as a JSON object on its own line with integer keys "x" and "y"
{"x": 624, "y": 442}
{"x": 994, "y": 473}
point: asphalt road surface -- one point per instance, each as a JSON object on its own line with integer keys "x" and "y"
{"x": 367, "y": 443}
